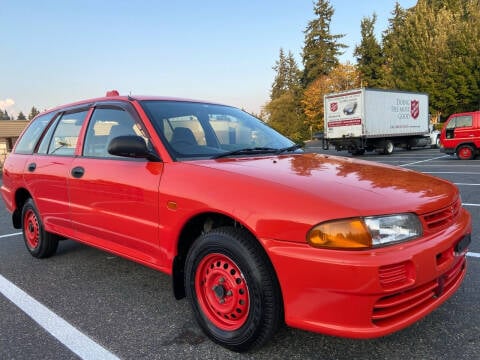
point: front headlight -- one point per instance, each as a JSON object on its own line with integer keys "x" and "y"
{"x": 364, "y": 233}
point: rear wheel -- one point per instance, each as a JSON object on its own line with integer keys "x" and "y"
{"x": 233, "y": 289}
{"x": 388, "y": 147}
{"x": 465, "y": 152}
{"x": 39, "y": 243}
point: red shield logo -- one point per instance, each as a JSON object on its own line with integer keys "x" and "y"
{"x": 414, "y": 108}
{"x": 333, "y": 106}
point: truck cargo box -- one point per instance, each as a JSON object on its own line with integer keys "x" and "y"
{"x": 398, "y": 117}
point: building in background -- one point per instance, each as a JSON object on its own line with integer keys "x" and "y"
{"x": 9, "y": 133}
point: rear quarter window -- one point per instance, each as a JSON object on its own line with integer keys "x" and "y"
{"x": 27, "y": 142}
{"x": 65, "y": 137}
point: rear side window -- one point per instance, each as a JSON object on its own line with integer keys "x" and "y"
{"x": 29, "y": 139}
{"x": 64, "y": 139}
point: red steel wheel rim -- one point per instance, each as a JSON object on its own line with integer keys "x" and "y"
{"x": 465, "y": 153}
{"x": 222, "y": 292}
{"x": 31, "y": 229}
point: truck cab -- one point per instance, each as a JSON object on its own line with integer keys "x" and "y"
{"x": 461, "y": 135}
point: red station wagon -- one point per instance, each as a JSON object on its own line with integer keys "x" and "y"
{"x": 254, "y": 231}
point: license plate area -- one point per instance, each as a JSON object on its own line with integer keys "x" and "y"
{"x": 462, "y": 246}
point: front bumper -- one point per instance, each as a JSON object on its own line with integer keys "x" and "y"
{"x": 365, "y": 294}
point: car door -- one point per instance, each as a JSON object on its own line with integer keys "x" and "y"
{"x": 464, "y": 131}
{"x": 47, "y": 171}
{"x": 114, "y": 200}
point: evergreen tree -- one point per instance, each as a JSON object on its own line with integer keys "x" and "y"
{"x": 321, "y": 48}
{"x": 391, "y": 47}
{"x": 437, "y": 51}
{"x": 283, "y": 110}
{"x": 369, "y": 54}
{"x": 4, "y": 115}
{"x": 287, "y": 76}
{"x": 462, "y": 72}
{"x": 33, "y": 112}
{"x": 21, "y": 116}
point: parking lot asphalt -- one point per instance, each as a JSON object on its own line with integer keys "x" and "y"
{"x": 130, "y": 312}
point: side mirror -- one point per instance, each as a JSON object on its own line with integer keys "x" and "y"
{"x": 131, "y": 146}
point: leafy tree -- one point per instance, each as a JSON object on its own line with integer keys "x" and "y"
{"x": 285, "y": 116}
{"x": 33, "y": 112}
{"x": 369, "y": 54}
{"x": 21, "y": 116}
{"x": 342, "y": 77}
{"x": 321, "y": 48}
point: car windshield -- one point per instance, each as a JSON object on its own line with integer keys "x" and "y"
{"x": 198, "y": 130}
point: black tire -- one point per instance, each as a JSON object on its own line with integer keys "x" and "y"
{"x": 237, "y": 299}
{"x": 39, "y": 243}
{"x": 388, "y": 147}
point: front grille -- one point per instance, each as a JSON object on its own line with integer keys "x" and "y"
{"x": 440, "y": 219}
{"x": 395, "y": 275}
{"x": 393, "y": 308}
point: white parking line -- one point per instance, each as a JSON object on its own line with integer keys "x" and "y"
{"x": 472, "y": 254}
{"x": 463, "y": 184}
{"x": 68, "y": 335}
{"x": 467, "y": 204}
{"x": 421, "y": 161}
{"x": 10, "y": 235}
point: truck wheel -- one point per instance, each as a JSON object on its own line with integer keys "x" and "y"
{"x": 232, "y": 288}
{"x": 388, "y": 147}
{"x": 40, "y": 244}
{"x": 465, "y": 152}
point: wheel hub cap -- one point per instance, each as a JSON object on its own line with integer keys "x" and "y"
{"x": 31, "y": 229}
{"x": 222, "y": 292}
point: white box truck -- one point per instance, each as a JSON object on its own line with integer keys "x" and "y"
{"x": 372, "y": 119}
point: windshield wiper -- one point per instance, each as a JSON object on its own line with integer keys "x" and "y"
{"x": 247, "y": 151}
{"x": 289, "y": 148}
{"x": 258, "y": 150}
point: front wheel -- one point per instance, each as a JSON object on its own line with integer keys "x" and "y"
{"x": 39, "y": 243}
{"x": 232, "y": 288}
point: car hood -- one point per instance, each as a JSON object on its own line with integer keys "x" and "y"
{"x": 363, "y": 187}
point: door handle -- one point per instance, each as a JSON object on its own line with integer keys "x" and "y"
{"x": 77, "y": 172}
{"x": 32, "y": 167}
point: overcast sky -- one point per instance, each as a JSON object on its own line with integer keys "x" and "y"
{"x": 55, "y": 52}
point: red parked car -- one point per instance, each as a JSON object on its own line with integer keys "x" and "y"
{"x": 461, "y": 135}
{"x": 253, "y": 231}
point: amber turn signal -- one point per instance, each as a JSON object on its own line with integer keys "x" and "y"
{"x": 342, "y": 234}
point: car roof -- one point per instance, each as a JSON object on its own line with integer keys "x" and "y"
{"x": 127, "y": 98}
